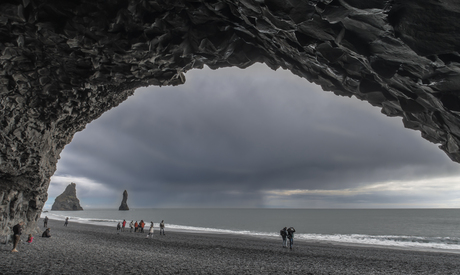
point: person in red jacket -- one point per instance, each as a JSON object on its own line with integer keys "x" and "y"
{"x": 123, "y": 226}
{"x": 136, "y": 225}
{"x": 142, "y": 226}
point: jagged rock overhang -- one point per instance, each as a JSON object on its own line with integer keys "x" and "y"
{"x": 64, "y": 63}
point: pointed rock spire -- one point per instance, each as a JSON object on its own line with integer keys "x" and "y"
{"x": 68, "y": 200}
{"x": 124, "y": 204}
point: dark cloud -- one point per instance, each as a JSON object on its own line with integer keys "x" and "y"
{"x": 226, "y": 136}
{"x": 378, "y": 199}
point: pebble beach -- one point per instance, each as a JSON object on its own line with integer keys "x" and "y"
{"x": 90, "y": 249}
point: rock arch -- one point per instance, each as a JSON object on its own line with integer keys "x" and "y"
{"x": 64, "y": 63}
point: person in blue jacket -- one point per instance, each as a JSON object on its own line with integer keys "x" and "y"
{"x": 290, "y": 235}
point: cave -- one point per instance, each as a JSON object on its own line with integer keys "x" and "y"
{"x": 65, "y": 63}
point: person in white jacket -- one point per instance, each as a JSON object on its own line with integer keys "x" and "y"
{"x": 151, "y": 230}
{"x": 131, "y": 226}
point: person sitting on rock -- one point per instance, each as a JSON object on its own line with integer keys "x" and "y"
{"x": 30, "y": 239}
{"x": 46, "y": 234}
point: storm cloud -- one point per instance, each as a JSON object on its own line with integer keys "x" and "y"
{"x": 228, "y": 138}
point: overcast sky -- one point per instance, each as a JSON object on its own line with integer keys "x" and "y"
{"x": 253, "y": 138}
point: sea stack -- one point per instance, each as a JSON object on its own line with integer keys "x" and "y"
{"x": 68, "y": 200}
{"x": 124, "y": 204}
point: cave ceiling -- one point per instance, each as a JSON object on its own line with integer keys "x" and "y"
{"x": 64, "y": 63}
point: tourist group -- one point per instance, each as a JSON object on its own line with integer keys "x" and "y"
{"x": 139, "y": 227}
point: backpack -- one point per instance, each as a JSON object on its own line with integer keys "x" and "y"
{"x": 283, "y": 233}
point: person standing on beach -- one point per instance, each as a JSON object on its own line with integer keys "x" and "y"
{"x": 118, "y": 226}
{"x": 151, "y": 230}
{"x": 45, "y": 221}
{"x": 290, "y": 233}
{"x": 136, "y": 225}
{"x": 17, "y": 231}
{"x": 162, "y": 227}
{"x": 123, "y": 226}
{"x": 283, "y": 234}
{"x": 66, "y": 221}
{"x": 142, "y": 226}
{"x": 131, "y": 225}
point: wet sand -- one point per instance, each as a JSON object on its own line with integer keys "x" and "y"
{"x": 90, "y": 249}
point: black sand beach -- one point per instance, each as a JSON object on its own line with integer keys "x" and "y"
{"x": 89, "y": 249}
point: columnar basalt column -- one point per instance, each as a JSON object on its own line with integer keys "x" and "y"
{"x": 124, "y": 201}
{"x": 64, "y": 63}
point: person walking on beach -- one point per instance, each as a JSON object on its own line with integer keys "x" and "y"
{"x": 283, "y": 233}
{"x": 123, "y": 226}
{"x": 162, "y": 227}
{"x": 131, "y": 225}
{"x": 66, "y": 221}
{"x": 17, "y": 231}
{"x": 45, "y": 221}
{"x": 47, "y": 233}
{"x": 136, "y": 225}
{"x": 290, "y": 235}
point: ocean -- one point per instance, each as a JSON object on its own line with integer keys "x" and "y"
{"x": 426, "y": 229}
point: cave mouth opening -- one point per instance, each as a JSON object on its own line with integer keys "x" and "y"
{"x": 232, "y": 132}
{"x": 64, "y": 65}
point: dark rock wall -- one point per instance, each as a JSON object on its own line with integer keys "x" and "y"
{"x": 64, "y": 63}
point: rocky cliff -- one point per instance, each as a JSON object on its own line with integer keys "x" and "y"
{"x": 64, "y": 63}
{"x": 124, "y": 201}
{"x": 68, "y": 200}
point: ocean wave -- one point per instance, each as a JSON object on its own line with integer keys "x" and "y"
{"x": 445, "y": 243}
{"x": 104, "y": 222}
{"x": 442, "y": 243}
{"x": 196, "y": 229}
{"x": 221, "y": 231}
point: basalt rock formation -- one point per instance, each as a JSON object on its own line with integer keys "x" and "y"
{"x": 68, "y": 200}
{"x": 64, "y": 63}
{"x": 124, "y": 204}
